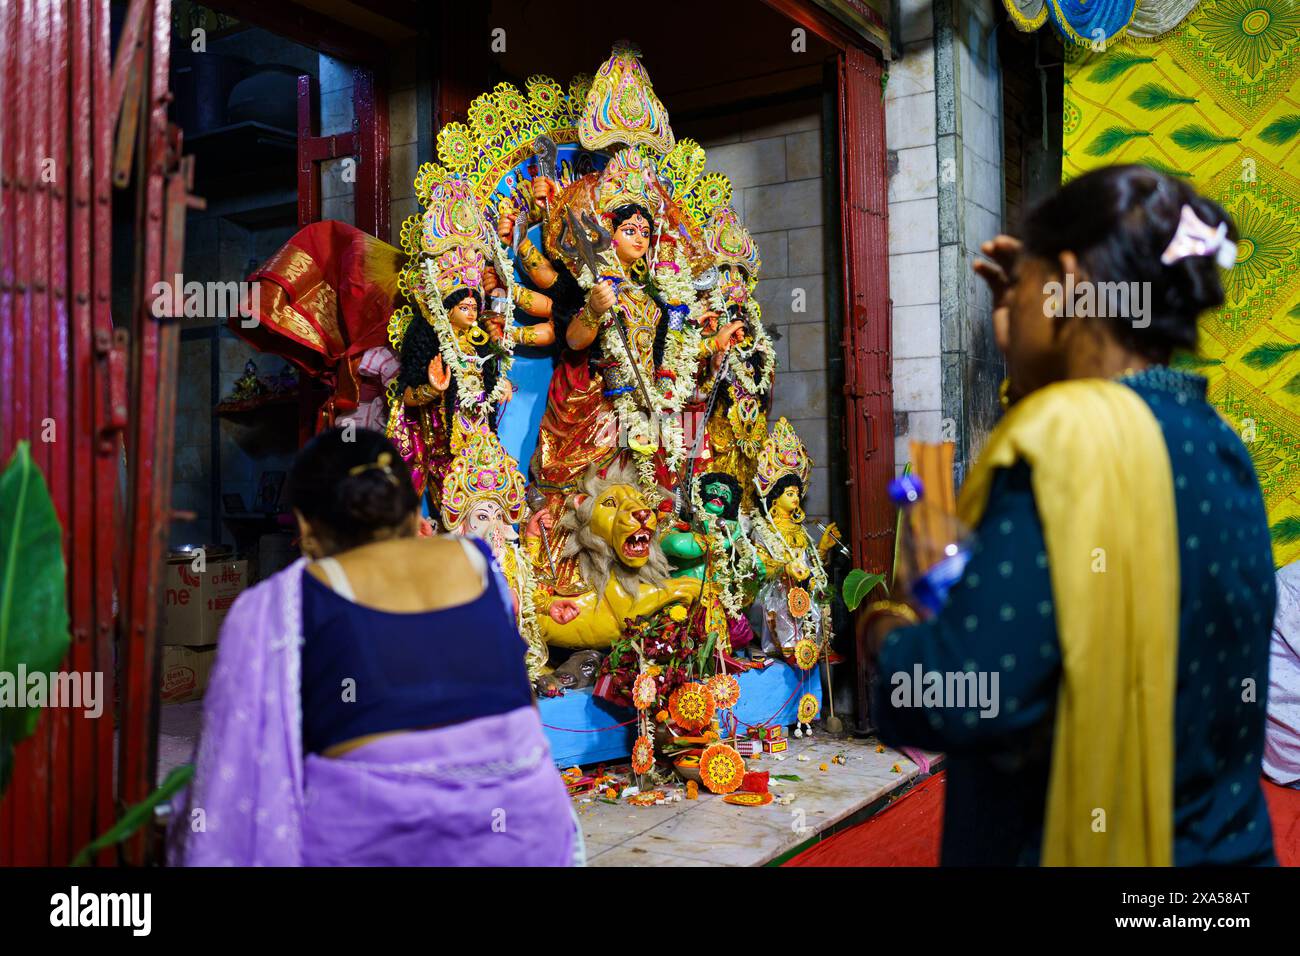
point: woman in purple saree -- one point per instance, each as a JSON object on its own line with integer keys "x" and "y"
{"x": 371, "y": 707}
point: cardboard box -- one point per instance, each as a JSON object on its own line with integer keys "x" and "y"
{"x": 185, "y": 672}
{"x": 747, "y": 746}
{"x": 195, "y": 604}
{"x": 767, "y": 733}
{"x": 775, "y": 746}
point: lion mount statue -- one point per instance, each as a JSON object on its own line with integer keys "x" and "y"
{"x": 611, "y": 537}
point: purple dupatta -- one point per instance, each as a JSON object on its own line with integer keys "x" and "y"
{"x": 484, "y": 792}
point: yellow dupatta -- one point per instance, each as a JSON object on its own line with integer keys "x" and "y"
{"x": 1103, "y": 486}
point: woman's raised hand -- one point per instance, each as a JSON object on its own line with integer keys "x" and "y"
{"x": 733, "y": 333}
{"x": 998, "y": 271}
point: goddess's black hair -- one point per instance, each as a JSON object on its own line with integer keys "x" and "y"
{"x": 420, "y": 345}
{"x": 782, "y": 483}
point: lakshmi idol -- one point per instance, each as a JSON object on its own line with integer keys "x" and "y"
{"x": 453, "y": 355}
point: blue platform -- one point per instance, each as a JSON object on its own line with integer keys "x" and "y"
{"x": 769, "y": 696}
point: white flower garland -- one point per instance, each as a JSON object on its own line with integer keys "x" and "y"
{"x": 468, "y": 369}
{"x": 680, "y": 357}
{"x": 773, "y": 541}
{"x": 761, "y": 345}
{"x": 732, "y": 562}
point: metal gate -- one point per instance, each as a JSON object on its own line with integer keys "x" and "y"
{"x": 90, "y": 391}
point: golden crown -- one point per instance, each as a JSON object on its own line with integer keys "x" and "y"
{"x": 629, "y": 178}
{"x": 782, "y": 454}
{"x": 456, "y": 233}
{"x": 482, "y": 471}
{"x": 621, "y": 106}
{"x": 730, "y": 242}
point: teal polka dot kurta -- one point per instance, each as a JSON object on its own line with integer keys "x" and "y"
{"x": 1000, "y": 620}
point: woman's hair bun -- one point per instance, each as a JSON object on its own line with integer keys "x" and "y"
{"x": 353, "y": 482}
{"x": 1118, "y": 221}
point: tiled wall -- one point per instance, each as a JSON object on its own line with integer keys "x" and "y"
{"x": 970, "y": 130}
{"x": 943, "y": 130}
{"x": 773, "y": 157}
{"x": 403, "y": 139}
{"x": 910, "y": 124}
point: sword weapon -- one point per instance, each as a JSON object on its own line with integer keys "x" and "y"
{"x": 545, "y": 150}
{"x": 537, "y": 501}
{"x": 838, "y": 543}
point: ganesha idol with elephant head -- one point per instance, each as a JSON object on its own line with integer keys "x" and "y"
{"x": 483, "y": 497}
{"x": 611, "y": 567}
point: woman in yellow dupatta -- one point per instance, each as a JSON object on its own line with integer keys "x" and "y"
{"x": 1096, "y": 676}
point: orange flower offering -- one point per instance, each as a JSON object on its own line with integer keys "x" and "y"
{"x": 643, "y": 755}
{"x": 808, "y": 708}
{"x": 691, "y": 706}
{"x": 646, "y": 799}
{"x": 725, "y": 690}
{"x": 805, "y": 654}
{"x": 799, "y": 602}
{"x": 722, "y": 769}
{"x": 692, "y": 790}
{"x": 644, "y": 692}
{"x": 749, "y": 799}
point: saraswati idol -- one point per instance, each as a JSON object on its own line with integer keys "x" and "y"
{"x": 793, "y": 602}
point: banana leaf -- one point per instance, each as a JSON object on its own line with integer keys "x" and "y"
{"x": 137, "y": 816}
{"x": 33, "y": 593}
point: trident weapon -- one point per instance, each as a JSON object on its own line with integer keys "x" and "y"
{"x": 575, "y": 240}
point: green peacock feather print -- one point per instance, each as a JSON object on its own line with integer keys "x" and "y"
{"x": 1286, "y": 531}
{"x": 1282, "y": 130}
{"x": 1112, "y": 139}
{"x": 1197, "y": 139}
{"x": 1153, "y": 96}
{"x": 1160, "y": 166}
{"x": 1269, "y": 354}
{"x": 1294, "y": 312}
{"x": 1292, "y": 387}
{"x": 1116, "y": 65}
{"x": 1189, "y": 361}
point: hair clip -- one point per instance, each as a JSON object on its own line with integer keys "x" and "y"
{"x": 383, "y": 463}
{"x": 1194, "y": 237}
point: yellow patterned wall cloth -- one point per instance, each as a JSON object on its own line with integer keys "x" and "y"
{"x": 1217, "y": 101}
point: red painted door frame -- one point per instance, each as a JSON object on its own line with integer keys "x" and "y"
{"x": 866, "y": 342}
{"x": 60, "y": 370}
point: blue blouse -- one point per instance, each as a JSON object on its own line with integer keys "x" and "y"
{"x": 1000, "y": 618}
{"x": 366, "y": 671}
